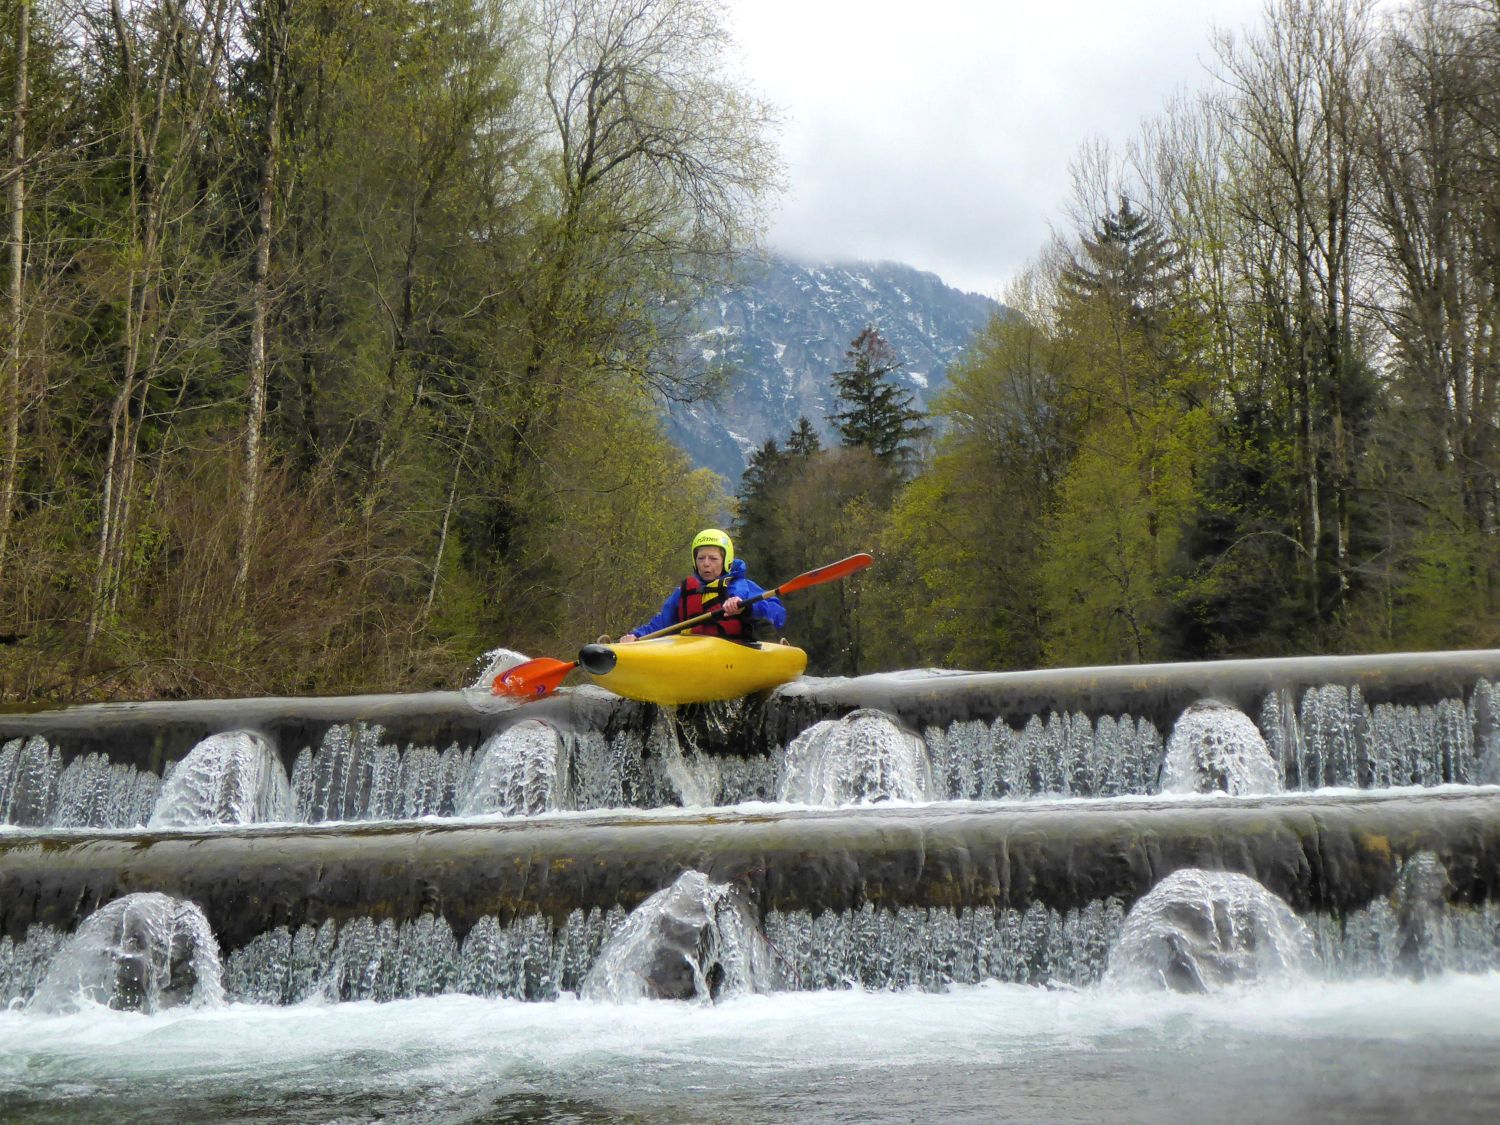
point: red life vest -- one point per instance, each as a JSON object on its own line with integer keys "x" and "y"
{"x": 697, "y": 596}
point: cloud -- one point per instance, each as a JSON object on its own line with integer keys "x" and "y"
{"x": 939, "y": 133}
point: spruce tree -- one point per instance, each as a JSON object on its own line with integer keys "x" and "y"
{"x": 877, "y": 413}
{"x": 754, "y": 524}
{"x": 804, "y": 440}
{"x": 1128, "y": 262}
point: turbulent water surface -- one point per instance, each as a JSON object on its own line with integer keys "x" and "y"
{"x": 1382, "y": 1051}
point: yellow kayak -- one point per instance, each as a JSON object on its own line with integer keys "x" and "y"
{"x": 690, "y": 668}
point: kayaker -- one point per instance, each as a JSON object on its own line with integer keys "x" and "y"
{"x": 718, "y": 581}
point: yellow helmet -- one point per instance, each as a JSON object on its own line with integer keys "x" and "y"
{"x": 713, "y": 537}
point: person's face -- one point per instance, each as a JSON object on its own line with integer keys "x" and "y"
{"x": 709, "y": 561}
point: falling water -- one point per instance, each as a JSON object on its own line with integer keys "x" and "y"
{"x": 935, "y": 949}
{"x": 1326, "y": 735}
{"x": 28, "y": 780}
{"x": 860, "y": 758}
{"x": 1065, "y": 753}
{"x": 142, "y": 952}
{"x": 935, "y": 987}
{"x": 356, "y": 774}
{"x": 1197, "y": 931}
{"x": 36, "y": 789}
{"x": 93, "y": 792}
{"x": 1331, "y": 737}
{"x": 521, "y": 771}
{"x": 694, "y": 939}
{"x": 533, "y": 958}
{"x": 230, "y": 778}
{"x": 1214, "y": 747}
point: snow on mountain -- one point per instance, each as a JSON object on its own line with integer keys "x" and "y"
{"x": 783, "y": 329}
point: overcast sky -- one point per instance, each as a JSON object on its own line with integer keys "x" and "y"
{"x": 938, "y": 132}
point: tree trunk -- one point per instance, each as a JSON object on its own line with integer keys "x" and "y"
{"x": 10, "y": 382}
{"x": 260, "y": 298}
{"x": 119, "y": 463}
{"x": 437, "y": 562}
{"x": 151, "y": 176}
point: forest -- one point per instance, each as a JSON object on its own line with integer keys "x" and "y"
{"x": 1243, "y": 405}
{"x": 335, "y": 332}
{"x": 336, "y": 338}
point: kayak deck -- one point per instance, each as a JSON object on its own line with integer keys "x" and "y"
{"x": 690, "y": 669}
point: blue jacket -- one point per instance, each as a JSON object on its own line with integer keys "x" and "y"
{"x": 739, "y": 587}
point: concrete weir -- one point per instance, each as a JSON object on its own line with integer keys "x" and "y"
{"x": 1330, "y": 855}
{"x": 1415, "y": 719}
{"x": 1159, "y": 692}
{"x": 148, "y": 736}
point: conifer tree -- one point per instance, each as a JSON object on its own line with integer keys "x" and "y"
{"x": 1128, "y": 261}
{"x": 762, "y": 479}
{"x": 804, "y": 440}
{"x": 877, "y": 413}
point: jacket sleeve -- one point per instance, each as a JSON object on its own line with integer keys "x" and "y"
{"x": 770, "y": 609}
{"x": 667, "y": 615}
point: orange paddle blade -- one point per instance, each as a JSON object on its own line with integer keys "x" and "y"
{"x": 841, "y": 569}
{"x": 534, "y": 679}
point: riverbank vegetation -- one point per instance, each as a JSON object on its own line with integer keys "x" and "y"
{"x": 1247, "y": 405}
{"x": 335, "y": 332}
{"x": 335, "y": 338}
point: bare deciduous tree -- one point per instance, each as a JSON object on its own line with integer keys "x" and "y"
{"x": 274, "y": 25}
{"x": 168, "y": 65}
{"x": 10, "y": 377}
{"x": 1293, "y": 109}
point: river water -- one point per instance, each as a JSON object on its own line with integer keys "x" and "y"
{"x": 1366, "y": 1051}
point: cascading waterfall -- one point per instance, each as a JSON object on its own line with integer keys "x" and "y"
{"x": 29, "y": 772}
{"x": 359, "y": 774}
{"x": 143, "y": 952}
{"x": 442, "y": 853}
{"x": 36, "y": 789}
{"x": 230, "y": 778}
{"x": 1065, "y": 753}
{"x": 1197, "y": 931}
{"x": 93, "y": 792}
{"x": 696, "y": 939}
{"x": 860, "y": 758}
{"x": 1216, "y": 747}
{"x": 1412, "y": 934}
{"x": 525, "y": 959}
{"x": 521, "y": 771}
{"x": 1325, "y": 735}
{"x": 1329, "y": 736}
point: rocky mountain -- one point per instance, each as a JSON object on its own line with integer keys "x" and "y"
{"x": 783, "y": 330}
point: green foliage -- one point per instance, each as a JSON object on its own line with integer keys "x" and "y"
{"x": 829, "y": 509}
{"x": 619, "y": 514}
{"x": 1119, "y": 515}
{"x": 1442, "y": 602}
{"x": 877, "y": 413}
{"x": 1249, "y": 408}
{"x": 962, "y": 588}
{"x": 801, "y": 507}
{"x": 466, "y": 322}
{"x": 1128, "y": 265}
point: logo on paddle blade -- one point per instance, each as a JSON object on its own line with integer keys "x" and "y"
{"x": 518, "y": 685}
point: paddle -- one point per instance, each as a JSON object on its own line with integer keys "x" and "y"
{"x": 539, "y": 678}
